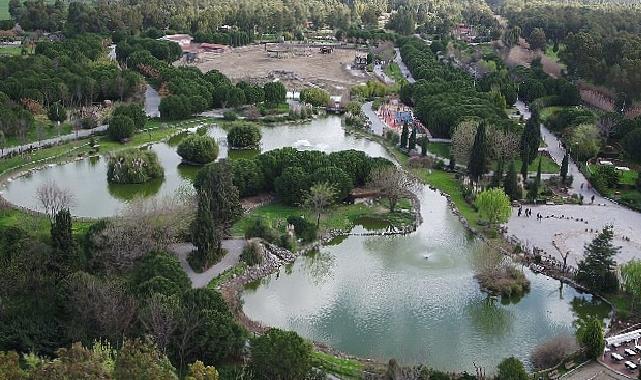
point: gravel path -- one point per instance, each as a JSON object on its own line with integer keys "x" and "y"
{"x": 403, "y": 67}
{"x": 200, "y": 280}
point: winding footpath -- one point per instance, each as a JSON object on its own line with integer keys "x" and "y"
{"x": 570, "y": 227}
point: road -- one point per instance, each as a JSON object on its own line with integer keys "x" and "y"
{"x": 406, "y": 72}
{"x": 200, "y": 280}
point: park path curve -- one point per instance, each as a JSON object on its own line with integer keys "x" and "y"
{"x": 200, "y": 280}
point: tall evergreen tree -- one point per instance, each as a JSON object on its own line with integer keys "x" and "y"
{"x": 497, "y": 177}
{"x": 510, "y": 185}
{"x": 412, "y": 143}
{"x": 530, "y": 140}
{"x": 424, "y": 147}
{"x": 564, "y": 167}
{"x": 404, "y": 135}
{"x": 478, "y": 158}
{"x": 524, "y": 167}
{"x": 61, "y": 236}
{"x": 534, "y": 189}
{"x": 597, "y": 269}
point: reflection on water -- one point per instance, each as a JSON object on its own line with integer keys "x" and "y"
{"x": 380, "y": 297}
{"x": 94, "y": 197}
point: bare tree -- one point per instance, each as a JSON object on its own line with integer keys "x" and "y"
{"x": 463, "y": 139}
{"x": 53, "y": 198}
{"x": 606, "y": 124}
{"x": 553, "y": 351}
{"x": 319, "y": 198}
{"x": 144, "y": 225}
{"x": 160, "y": 318}
{"x": 394, "y": 183}
{"x": 503, "y": 145}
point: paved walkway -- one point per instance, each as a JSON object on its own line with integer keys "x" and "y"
{"x": 560, "y": 230}
{"x": 403, "y": 67}
{"x": 377, "y": 125}
{"x": 378, "y": 71}
{"x": 200, "y": 280}
{"x": 593, "y": 371}
{"x": 82, "y": 133}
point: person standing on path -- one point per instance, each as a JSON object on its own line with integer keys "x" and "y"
{"x": 592, "y": 198}
{"x": 520, "y": 210}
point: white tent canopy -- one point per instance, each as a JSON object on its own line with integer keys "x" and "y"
{"x": 625, "y": 337}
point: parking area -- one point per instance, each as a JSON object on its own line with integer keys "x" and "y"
{"x": 623, "y": 353}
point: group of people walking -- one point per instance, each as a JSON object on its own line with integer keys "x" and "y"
{"x": 528, "y": 213}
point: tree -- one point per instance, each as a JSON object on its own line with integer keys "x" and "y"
{"x": 597, "y": 269}
{"x": 53, "y": 198}
{"x": 537, "y": 39}
{"x": 275, "y": 93}
{"x": 315, "y": 96}
{"x": 198, "y": 371}
{"x": 341, "y": 183}
{"x": 76, "y": 362}
{"x": 133, "y": 166}
{"x": 631, "y": 280}
{"x": 424, "y": 142}
{"x": 291, "y": 185}
{"x": 632, "y": 144}
{"x": 412, "y": 141}
{"x": 133, "y": 111}
{"x": 138, "y": 359}
{"x": 530, "y": 140}
{"x": 404, "y": 135}
{"x": 393, "y": 183}
{"x": 510, "y": 184}
{"x": 564, "y": 167}
{"x": 57, "y": 112}
{"x": 61, "y": 236}
{"x": 494, "y": 205}
{"x": 120, "y": 128}
{"x": 3, "y": 143}
{"x": 280, "y": 355}
{"x": 591, "y": 337}
{"x": 319, "y": 198}
{"x": 244, "y": 137}
{"x": 553, "y": 351}
{"x": 198, "y": 149}
{"x": 478, "y": 158}
{"x": 533, "y": 192}
{"x": 511, "y": 369}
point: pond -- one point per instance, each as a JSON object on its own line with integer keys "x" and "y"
{"x": 414, "y": 298}
{"x": 94, "y": 197}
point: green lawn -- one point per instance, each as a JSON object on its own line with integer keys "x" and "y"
{"x": 10, "y": 50}
{"x": 4, "y": 10}
{"x": 344, "y": 368}
{"x": 393, "y": 71}
{"x": 338, "y": 217}
{"x": 48, "y": 131}
{"x": 548, "y": 166}
{"x": 439, "y": 149}
{"x": 548, "y": 111}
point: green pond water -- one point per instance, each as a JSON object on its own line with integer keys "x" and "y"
{"x": 95, "y": 197}
{"x": 414, "y": 298}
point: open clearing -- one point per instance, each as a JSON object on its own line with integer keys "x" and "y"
{"x": 253, "y": 63}
{"x": 520, "y": 54}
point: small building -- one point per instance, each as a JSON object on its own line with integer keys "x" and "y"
{"x": 181, "y": 39}
{"x": 403, "y": 117}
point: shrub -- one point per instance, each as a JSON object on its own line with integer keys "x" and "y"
{"x": 252, "y": 253}
{"x": 607, "y": 175}
{"x": 198, "y": 149}
{"x": 121, "y": 127}
{"x": 632, "y": 144}
{"x": 314, "y": 96}
{"x": 304, "y": 229}
{"x": 230, "y": 115}
{"x": 88, "y": 123}
{"x": 133, "y": 166}
{"x": 133, "y": 111}
{"x": 244, "y": 136}
{"x": 175, "y": 107}
{"x": 553, "y": 351}
{"x": 280, "y": 354}
{"x": 340, "y": 181}
{"x": 259, "y": 228}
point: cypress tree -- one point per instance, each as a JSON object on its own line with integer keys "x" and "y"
{"x": 530, "y": 139}
{"x": 564, "y": 167}
{"x": 404, "y": 135}
{"x": 497, "y": 178}
{"x": 597, "y": 269}
{"x": 478, "y": 159}
{"x": 534, "y": 189}
{"x": 524, "y": 167}
{"x": 61, "y": 236}
{"x": 510, "y": 186}
{"x": 412, "y": 143}
{"x": 424, "y": 147}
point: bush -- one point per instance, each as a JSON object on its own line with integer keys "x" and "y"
{"x": 230, "y": 115}
{"x": 280, "y": 354}
{"x": 244, "y": 136}
{"x": 553, "y": 351}
{"x": 259, "y": 228}
{"x": 88, "y": 123}
{"x": 605, "y": 175}
{"x": 121, "y": 127}
{"x": 175, "y": 107}
{"x": 198, "y": 149}
{"x": 133, "y": 166}
{"x": 632, "y": 144}
{"x": 304, "y": 229}
{"x": 252, "y": 254}
{"x": 315, "y": 96}
{"x": 133, "y": 111}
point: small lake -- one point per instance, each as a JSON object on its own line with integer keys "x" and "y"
{"x": 95, "y": 197}
{"x": 380, "y": 297}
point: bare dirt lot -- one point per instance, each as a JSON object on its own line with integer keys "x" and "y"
{"x": 521, "y": 55}
{"x": 304, "y": 65}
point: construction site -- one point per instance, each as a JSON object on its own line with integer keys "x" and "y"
{"x": 297, "y": 65}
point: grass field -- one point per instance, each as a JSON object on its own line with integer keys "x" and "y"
{"x": 10, "y": 50}
{"x": 439, "y": 149}
{"x": 4, "y": 10}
